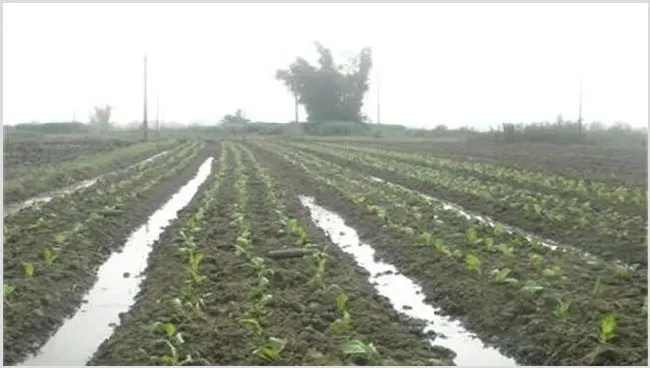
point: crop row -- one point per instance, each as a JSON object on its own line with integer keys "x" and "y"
{"x": 238, "y": 303}
{"x": 42, "y": 179}
{"x": 41, "y": 212}
{"x": 22, "y": 155}
{"x": 602, "y": 303}
{"x": 577, "y": 223}
{"x": 613, "y": 166}
{"x": 52, "y": 250}
{"x": 574, "y": 187}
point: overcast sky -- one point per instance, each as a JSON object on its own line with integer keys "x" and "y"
{"x": 454, "y": 64}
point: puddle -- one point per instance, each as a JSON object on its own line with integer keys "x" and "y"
{"x": 72, "y": 188}
{"x": 402, "y": 291}
{"x": 552, "y": 245}
{"x": 113, "y": 293}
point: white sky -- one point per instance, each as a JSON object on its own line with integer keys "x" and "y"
{"x": 454, "y": 64}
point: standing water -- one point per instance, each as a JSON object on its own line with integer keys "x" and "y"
{"x": 550, "y": 244}
{"x": 116, "y": 287}
{"x": 402, "y": 291}
{"x": 72, "y": 188}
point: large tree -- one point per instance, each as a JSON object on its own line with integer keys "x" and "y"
{"x": 100, "y": 118}
{"x": 329, "y": 92}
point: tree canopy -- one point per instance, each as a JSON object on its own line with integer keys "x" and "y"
{"x": 100, "y": 118}
{"x": 330, "y": 91}
{"x": 238, "y": 118}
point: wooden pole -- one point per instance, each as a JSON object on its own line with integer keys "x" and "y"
{"x": 145, "y": 124}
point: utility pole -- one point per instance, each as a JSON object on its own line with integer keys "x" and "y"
{"x": 378, "y": 102}
{"x": 580, "y": 109}
{"x": 157, "y": 110}
{"x": 297, "y": 104}
{"x": 146, "y": 127}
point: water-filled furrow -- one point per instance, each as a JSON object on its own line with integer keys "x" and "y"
{"x": 117, "y": 285}
{"x": 72, "y": 188}
{"x": 402, "y": 291}
{"x": 553, "y": 245}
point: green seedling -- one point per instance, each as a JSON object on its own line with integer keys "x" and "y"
{"x": 342, "y": 302}
{"x": 38, "y": 224}
{"x": 61, "y": 238}
{"x": 173, "y": 357}
{"x": 472, "y": 263}
{"x": 252, "y": 325}
{"x": 29, "y": 268}
{"x": 624, "y": 273}
{"x": 259, "y": 307}
{"x": 244, "y": 240}
{"x": 501, "y": 276}
{"x": 607, "y": 329}
{"x": 260, "y": 288}
{"x": 472, "y": 237}
{"x": 553, "y": 272}
{"x": 506, "y": 250}
{"x": 359, "y": 350}
{"x": 257, "y": 263}
{"x": 537, "y": 260}
{"x": 489, "y": 244}
{"x": 342, "y": 323}
{"x": 319, "y": 260}
{"x": 239, "y": 250}
{"x": 187, "y": 291}
{"x": 562, "y": 309}
{"x": 270, "y": 352}
{"x": 50, "y": 255}
{"x": 8, "y": 289}
{"x": 195, "y": 276}
{"x": 169, "y": 329}
{"x": 194, "y": 259}
{"x": 425, "y": 239}
{"x": 78, "y": 227}
{"x": 531, "y": 287}
{"x": 294, "y": 228}
{"x": 497, "y": 230}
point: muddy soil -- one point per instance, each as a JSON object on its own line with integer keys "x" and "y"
{"x": 37, "y": 307}
{"x": 633, "y": 251}
{"x": 499, "y": 317}
{"x": 615, "y": 166}
{"x": 30, "y": 154}
{"x": 298, "y": 312}
{"x": 628, "y": 209}
{"x": 68, "y": 177}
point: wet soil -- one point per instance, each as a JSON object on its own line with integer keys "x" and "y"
{"x": 614, "y": 166}
{"x": 38, "y": 306}
{"x": 69, "y": 177}
{"x": 299, "y": 312}
{"x": 521, "y": 327}
{"x": 628, "y": 209}
{"x": 31, "y": 154}
{"x": 633, "y": 251}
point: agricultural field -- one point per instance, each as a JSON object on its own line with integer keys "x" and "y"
{"x": 33, "y": 167}
{"x": 612, "y": 166}
{"x": 331, "y": 252}
{"x": 25, "y": 153}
